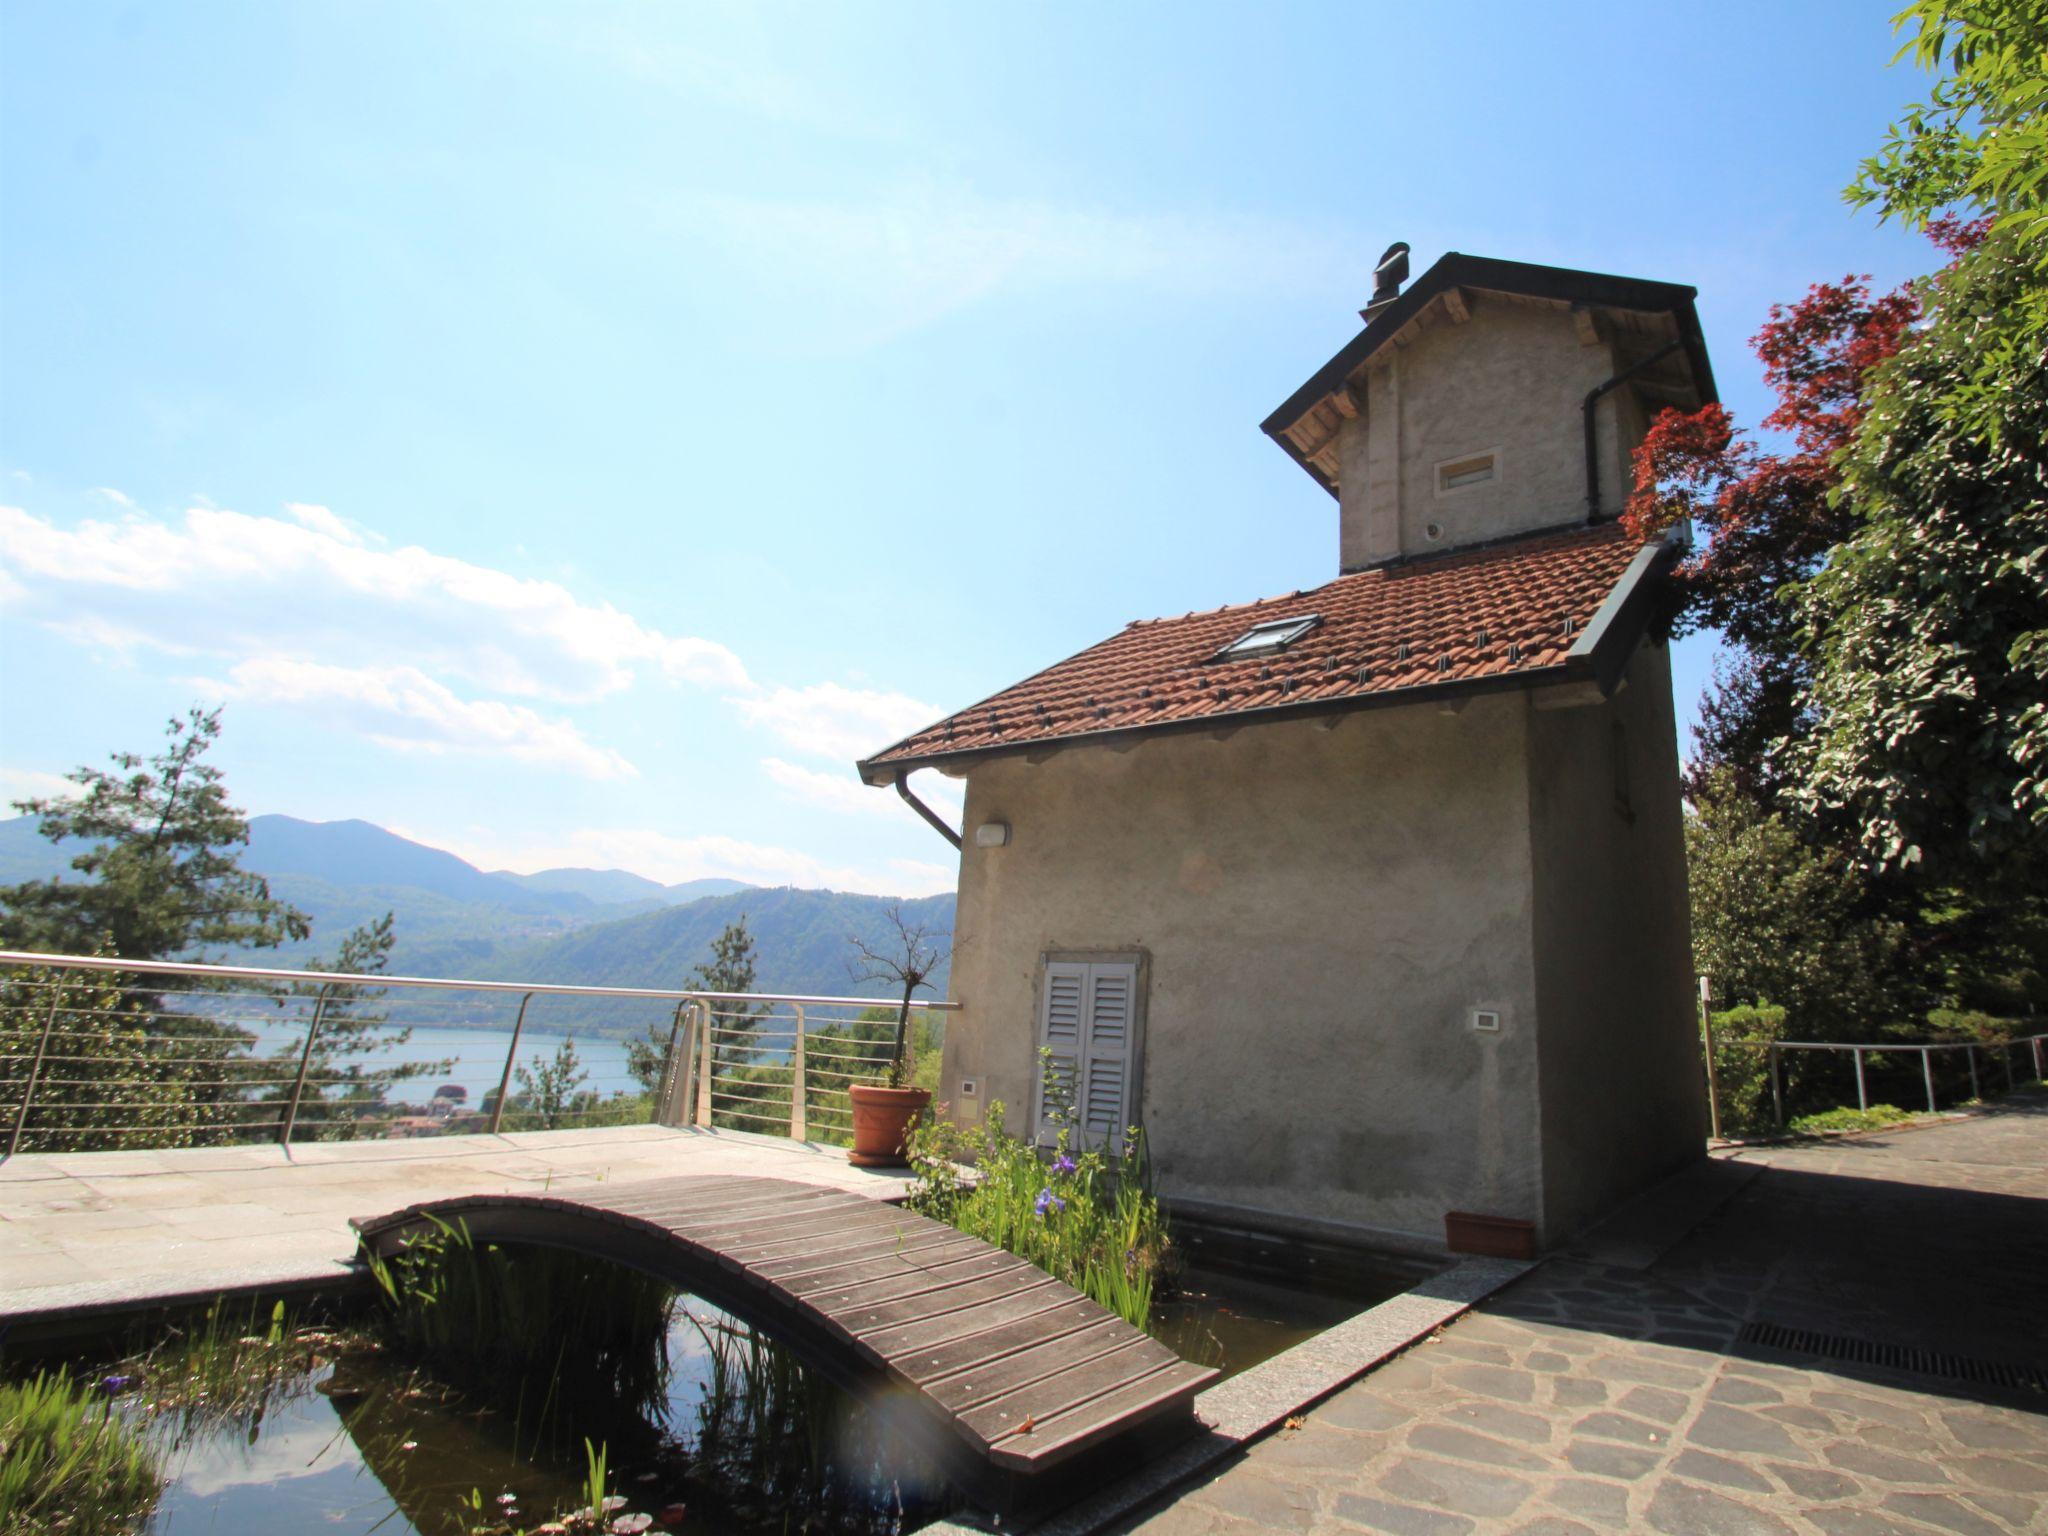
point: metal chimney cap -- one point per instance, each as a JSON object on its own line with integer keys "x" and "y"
{"x": 1388, "y": 275}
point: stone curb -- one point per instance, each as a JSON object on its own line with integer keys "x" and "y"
{"x": 1260, "y": 1400}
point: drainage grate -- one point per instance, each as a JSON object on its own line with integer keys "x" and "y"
{"x": 1897, "y": 1357}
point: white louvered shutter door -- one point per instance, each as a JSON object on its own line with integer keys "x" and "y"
{"x": 1105, "y": 1102}
{"x": 1061, "y": 1019}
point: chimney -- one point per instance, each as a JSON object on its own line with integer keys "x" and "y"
{"x": 1387, "y": 279}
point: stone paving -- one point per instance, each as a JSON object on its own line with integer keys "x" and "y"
{"x": 1593, "y": 1397}
{"x": 102, "y": 1226}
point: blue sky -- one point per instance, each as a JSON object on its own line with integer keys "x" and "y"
{"x": 571, "y": 434}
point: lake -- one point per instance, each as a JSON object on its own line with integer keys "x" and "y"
{"x": 477, "y": 1057}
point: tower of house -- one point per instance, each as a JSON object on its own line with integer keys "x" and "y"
{"x": 1487, "y": 399}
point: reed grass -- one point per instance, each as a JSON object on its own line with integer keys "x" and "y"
{"x": 571, "y": 1330}
{"x": 69, "y": 1462}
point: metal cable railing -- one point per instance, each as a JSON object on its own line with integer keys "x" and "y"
{"x": 99, "y": 1053}
{"x": 1864, "y": 1057}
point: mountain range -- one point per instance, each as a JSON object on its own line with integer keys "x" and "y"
{"x": 590, "y": 927}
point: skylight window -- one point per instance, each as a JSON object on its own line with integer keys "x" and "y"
{"x": 1264, "y": 639}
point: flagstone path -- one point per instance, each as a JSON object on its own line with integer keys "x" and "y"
{"x": 1597, "y": 1396}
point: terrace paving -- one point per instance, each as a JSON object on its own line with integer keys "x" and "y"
{"x": 1607, "y": 1390}
{"x": 95, "y": 1228}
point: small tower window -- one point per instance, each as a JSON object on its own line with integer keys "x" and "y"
{"x": 1264, "y": 639}
{"x": 1461, "y": 474}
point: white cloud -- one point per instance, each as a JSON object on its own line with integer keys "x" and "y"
{"x": 118, "y": 498}
{"x": 32, "y": 784}
{"x": 403, "y": 708}
{"x": 225, "y": 583}
{"x": 832, "y": 720}
{"x": 322, "y": 520}
{"x": 660, "y": 856}
{"x": 844, "y": 793}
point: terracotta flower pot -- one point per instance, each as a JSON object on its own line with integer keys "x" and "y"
{"x": 881, "y": 1123}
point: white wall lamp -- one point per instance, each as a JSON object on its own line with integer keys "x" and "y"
{"x": 992, "y": 834}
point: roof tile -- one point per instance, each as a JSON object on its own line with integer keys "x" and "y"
{"x": 1508, "y": 608}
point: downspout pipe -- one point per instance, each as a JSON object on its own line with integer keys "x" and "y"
{"x": 1592, "y": 433}
{"x": 917, "y": 805}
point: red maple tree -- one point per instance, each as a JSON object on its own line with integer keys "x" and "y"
{"x": 1765, "y": 517}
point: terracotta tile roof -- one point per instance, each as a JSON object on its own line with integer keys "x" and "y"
{"x": 1486, "y": 613}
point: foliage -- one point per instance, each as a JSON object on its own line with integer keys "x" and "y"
{"x": 1089, "y": 1219}
{"x": 1872, "y": 1119}
{"x": 1742, "y": 1067}
{"x": 906, "y": 960}
{"x": 574, "y": 1330}
{"x": 104, "y": 1082}
{"x": 548, "y": 1093}
{"x": 1766, "y": 520}
{"x": 1977, "y": 145}
{"x": 1929, "y": 627}
{"x": 160, "y": 861}
{"x": 730, "y": 969}
{"x": 68, "y": 1462}
{"x": 1779, "y": 922}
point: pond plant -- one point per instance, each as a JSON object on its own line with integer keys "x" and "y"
{"x": 69, "y": 1461}
{"x": 548, "y": 1323}
{"x": 1088, "y": 1216}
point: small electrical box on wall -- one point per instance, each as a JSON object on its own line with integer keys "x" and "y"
{"x": 1486, "y": 1020}
{"x": 969, "y": 1088}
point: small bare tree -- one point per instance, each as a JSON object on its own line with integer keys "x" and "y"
{"x": 907, "y": 960}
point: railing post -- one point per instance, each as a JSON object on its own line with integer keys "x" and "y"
{"x": 1777, "y": 1091}
{"x": 709, "y": 1017}
{"x": 2036, "y": 1044}
{"x": 668, "y": 1098}
{"x": 511, "y": 1055}
{"x": 35, "y": 1067}
{"x": 1976, "y": 1088}
{"x": 1862, "y": 1097}
{"x": 798, "y": 1129}
{"x": 291, "y": 1110}
{"x": 1707, "y": 1034}
{"x": 1927, "y": 1071}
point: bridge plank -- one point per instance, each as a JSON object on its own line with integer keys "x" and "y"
{"x": 1021, "y": 1369}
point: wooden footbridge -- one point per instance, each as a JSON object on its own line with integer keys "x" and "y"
{"x": 1011, "y": 1373}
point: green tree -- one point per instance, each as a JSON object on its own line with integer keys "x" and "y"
{"x": 353, "y": 1024}
{"x": 161, "y": 844}
{"x": 1779, "y": 922}
{"x": 549, "y": 1093}
{"x": 730, "y": 969}
{"x": 1928, "y": 628}
{"x": 1978, "y": 145}
{"x": 106, "y": 1081}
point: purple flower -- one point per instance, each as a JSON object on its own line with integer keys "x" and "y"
{"x": 1064, "y": 1164}
{"x": 1048, "y": 1202}
{"x": 116, "y": 1383}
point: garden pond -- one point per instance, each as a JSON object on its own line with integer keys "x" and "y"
{"x": 261, "y": 1424}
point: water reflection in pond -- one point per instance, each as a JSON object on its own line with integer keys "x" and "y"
{"x": 744, "y": 1440}
{"x": 333, "y": 1431}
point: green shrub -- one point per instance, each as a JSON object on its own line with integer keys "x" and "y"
{"x": 1874, "y": 1118}
{"x": 1742, "y": 1071}
{"x": 1090, "y": 1220}
{"x": 68, "y": 1462}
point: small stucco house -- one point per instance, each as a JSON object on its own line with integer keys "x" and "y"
{"x": 1368, "y": 901}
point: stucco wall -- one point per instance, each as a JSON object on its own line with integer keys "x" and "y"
{"x": 1322, "y": 910}
{"x": 1622, "y": 1092}
{"x": 1512, "y": 378}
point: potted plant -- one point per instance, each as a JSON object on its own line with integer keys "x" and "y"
{"x": 883, "y": 1112}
